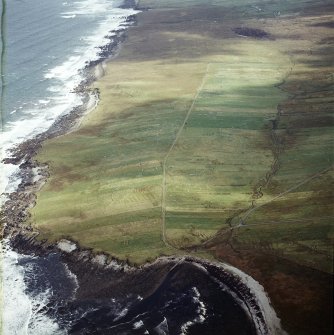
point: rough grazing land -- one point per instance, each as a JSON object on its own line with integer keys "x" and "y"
{"x": 213, "y": 135}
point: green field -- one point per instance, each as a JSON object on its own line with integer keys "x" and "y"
{"x": 210, "y": 140}
{"x": 220, "y": 154}
{"x": 183, "y": 144}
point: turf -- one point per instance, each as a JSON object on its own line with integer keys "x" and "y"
{"x": 196, "y": 127}
{"x": 213, "y": 136}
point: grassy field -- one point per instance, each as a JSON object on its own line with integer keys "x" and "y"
{"x": 213, "y": 135}
{"x": 193, "y": 106}
{"x": 293, "y": 216}
{"x": 221, "y": 153}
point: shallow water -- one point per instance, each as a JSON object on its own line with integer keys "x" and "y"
{"x": 47, "y": 44}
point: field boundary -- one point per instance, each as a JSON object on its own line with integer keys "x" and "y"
{"x": 164, "y": 162}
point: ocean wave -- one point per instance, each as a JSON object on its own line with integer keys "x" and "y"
{"x": 89, "y": 7}
{"x": 68, "y": 16}
{"x": 201, "y": 312}
{"x": 27, "y": 311}
{"x": 139, "y": 324}
{"x": 63, "y": 79}
{"x": 23, "y": 314}
{"x": 162, "y": 328}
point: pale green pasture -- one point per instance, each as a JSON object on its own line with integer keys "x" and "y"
{"x": 105, "y": 185}
{"x": 221, "y": 153}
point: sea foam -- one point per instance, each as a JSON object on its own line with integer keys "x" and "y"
{"x": 65, "y": 77}
{"x": 21, "y": 314}
{"x": 24, "y": 313}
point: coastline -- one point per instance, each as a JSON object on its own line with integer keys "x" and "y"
{"x": 33, "y": 175}
{"x": 99, "y": 276}
{"x": 22, "y": 238}
{"x": 24, "y": 198}
{"x": 14, "y": 210}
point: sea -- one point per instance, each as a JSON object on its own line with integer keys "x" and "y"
{"x": 46, "y": 45}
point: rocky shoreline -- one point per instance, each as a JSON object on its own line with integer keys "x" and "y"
{"x": 99, "y": 275}
{"x": 33, "y": 174}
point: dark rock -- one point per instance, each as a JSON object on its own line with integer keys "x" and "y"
{"x": 251, "y": 32}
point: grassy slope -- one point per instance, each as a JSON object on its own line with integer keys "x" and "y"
{"x": 257, "y": 125}
{"x": 298, "y": 224}
{"x": 106, "y": 178}
{"x": 209, "y": 170}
